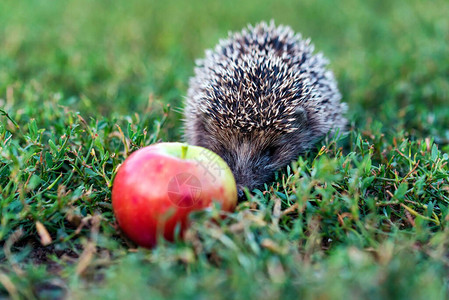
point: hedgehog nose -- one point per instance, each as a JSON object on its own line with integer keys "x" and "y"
{"x": 241, "y": 195}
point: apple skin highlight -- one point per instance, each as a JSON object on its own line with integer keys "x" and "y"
{"x": 157, "y": 187}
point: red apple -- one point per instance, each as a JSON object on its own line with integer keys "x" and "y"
{"x": 157, "y": 187}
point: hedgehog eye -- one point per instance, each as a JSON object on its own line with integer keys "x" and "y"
{"x": 270, "y": 151}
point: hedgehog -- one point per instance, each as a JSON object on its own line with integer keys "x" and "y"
{"x": 260, "y": 99}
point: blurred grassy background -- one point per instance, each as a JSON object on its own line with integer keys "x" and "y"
{"x": 366, "y": 220}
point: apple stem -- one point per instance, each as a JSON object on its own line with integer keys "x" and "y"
{"x": 183, "y": 151}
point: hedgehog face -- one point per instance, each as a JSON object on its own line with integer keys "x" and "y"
{"x": 253, "y": 157}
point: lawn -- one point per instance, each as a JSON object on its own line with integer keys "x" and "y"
{"x": 363, "y": 216}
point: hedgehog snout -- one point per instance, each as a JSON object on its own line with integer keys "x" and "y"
{"x": 240, "y": 194}
{"x": 250, "y": 176}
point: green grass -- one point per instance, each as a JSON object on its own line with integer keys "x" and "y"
{"x": 365, "y": 216}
